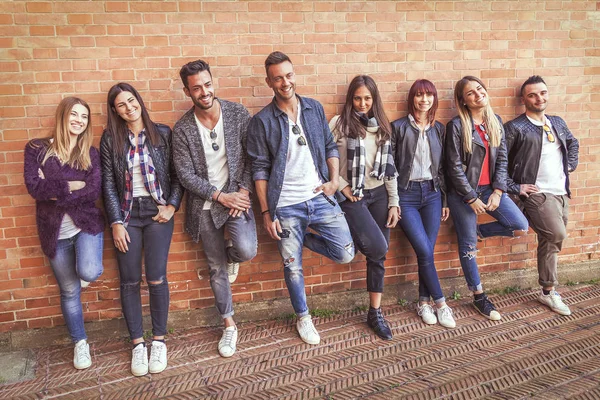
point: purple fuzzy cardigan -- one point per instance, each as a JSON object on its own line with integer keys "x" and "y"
{"x": 80, "y": 204}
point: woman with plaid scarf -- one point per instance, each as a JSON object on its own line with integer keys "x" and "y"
{"x": 368, "y": 181}
{"x": 141, "y": 194}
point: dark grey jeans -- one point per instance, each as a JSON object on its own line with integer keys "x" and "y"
{"x": 155, "y": 239}
{"x": 242, "y": 231}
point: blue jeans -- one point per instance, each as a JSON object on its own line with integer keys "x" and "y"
{"x": 332, "y": 239}
{"x": 78, "y": 257}
{"x": 421, "y": 212}
{"x": 154, "y": 239}
{"x": 366, "y": 219}
{"x": 242, "y": 231}
{"x": 508, "y": 219}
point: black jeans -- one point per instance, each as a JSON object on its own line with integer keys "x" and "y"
{"x": 366, "y": 219}
{"x": 155, "y": 239}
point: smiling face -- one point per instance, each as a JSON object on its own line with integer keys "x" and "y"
{"x": 201, "y": 90}
{"x": 474, "y": 95}
{"x": 127, "y": 107}
{"x": 423, "y": 101}
{"x": 78, "y": 120}
{"x": 362, "y": 100}
{"x": 282, "y": 79}
{"x": 535, "y": 97}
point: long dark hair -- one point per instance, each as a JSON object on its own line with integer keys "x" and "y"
{"x": 116, "y": 127}
{"x": 423, "y": 86}
{"x": 349, "y": 125}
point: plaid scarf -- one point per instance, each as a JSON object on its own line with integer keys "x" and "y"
{"x": 384, "y": 160}
{"x": 148, "y": 173}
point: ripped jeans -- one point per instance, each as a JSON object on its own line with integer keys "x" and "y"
{"x": 508, "y": 219}
{"x": 155, "y": 239}
{"x": 332, "y": 239}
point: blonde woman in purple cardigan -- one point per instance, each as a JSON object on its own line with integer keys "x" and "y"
{"x": 62, "y": 173}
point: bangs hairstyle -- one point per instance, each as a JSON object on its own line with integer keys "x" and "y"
{"x": 60, "y": 147}
{"x": 348, "y": 125}
{"x": 423, "y": 86}
{"x": 116, "y": 126}
{"x": 492, "y": 125}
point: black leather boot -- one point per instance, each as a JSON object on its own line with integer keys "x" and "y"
{"x": 376, "y": 322}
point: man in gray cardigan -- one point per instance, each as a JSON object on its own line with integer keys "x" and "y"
{"x": 209, "y": 152}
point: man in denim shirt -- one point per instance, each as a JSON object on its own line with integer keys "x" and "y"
{"x": 295, "y": 165}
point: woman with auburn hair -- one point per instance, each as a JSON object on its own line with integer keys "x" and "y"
{"x": 62, "y": 174}
{"x": 418, "y": 152}
{"x": 141, "y": 194}
{"x": 476, "y": 165}
{"x": 368, "y": 181}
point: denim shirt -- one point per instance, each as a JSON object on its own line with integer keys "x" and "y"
{"x": 268, "y": 144}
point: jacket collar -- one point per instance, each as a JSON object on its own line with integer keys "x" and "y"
{"x": 278, "y": 111}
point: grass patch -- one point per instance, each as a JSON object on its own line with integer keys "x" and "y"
{"x": 402, "y": 302}
{"x": 506, "y": 290}
{"x": 455, "y": 295}
{"x": 571, "y": 283}
{"x": 360, "y": 308}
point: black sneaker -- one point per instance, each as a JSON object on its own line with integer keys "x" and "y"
{"x": 376, "y": 322}
{"x": 486, "y": 308}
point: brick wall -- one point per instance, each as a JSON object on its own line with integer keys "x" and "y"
{"x": 52, "y": 49}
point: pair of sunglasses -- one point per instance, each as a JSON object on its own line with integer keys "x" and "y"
{"x": 301, "y": 140}
{"x": 213, "y": 137}
{"x": 549, "y": 133}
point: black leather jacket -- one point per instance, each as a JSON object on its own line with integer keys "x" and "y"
{"x": 114, "y": 166}
{"x": 404, "y": 144}
{"x": 524, "y": 147}
{"x": 464, "y": 169}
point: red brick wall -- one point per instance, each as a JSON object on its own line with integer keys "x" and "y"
{"x": 52, "y": 49}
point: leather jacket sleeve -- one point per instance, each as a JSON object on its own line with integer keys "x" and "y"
{"x": 572, "y": 147}
{"x": 511, "y": 135}
{"x": 176, "y": 194}
{"x": 441, "y": 167}
{"x": 110, "y": 191}
{"x": 501, "y": 167}
{"x": 454, "y": 162}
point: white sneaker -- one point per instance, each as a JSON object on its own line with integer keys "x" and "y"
{"x": 158, "y": 357}
{"x": 81, "y": 356}
{"x": 445, "y": 317}
{"x": 139, "y": 360}
{"x": 228, "y": 342}
{"x": 307, "y": 330}
{"x": 555, "y": 303}
{"x": 83, "y": 283}
{"x": 426, "y": 313}
{"x": 232, "y": 271}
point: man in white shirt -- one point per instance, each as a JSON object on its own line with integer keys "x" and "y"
{"x": 209, "y": 152}
{"x": 542, "y": 152}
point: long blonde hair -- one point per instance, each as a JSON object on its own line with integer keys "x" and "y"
{"x": 60, "y": 146}
{"x": 492, "y": 125}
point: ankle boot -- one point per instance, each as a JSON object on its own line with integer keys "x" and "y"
{"x": 376, "y": 322}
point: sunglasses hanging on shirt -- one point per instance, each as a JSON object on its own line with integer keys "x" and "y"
{"x": 301, "y": 140}
{"x": 549, "y": 133}
{"x": 482, "y": 129}
{"x": 213, "y": 137}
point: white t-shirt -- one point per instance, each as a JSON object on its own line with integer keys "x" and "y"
{"x": 551, "y": 175}
{"x": 301, "y": 176}
{"x": 139, "y": 189}
{"x": 68, "y": 229}
{"x": 216, "y": 161}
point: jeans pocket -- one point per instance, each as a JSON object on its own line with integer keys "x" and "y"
{"x": 537, "y": 199}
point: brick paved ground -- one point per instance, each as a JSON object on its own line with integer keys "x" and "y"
{"x": 530, "y": 353}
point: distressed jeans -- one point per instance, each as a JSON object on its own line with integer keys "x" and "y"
{"x": 154, "y": 239}
{"x": 366, "y": 219}
{"x": 78, "y": 257}
{"x": 421, "y": 208}
{"x": 242, "y": 231}
{"x": 332, "y": 239}
{"x": 508, "y": 219}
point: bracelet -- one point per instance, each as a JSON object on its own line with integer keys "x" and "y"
{"x": 497, "y": 194}
{"x": 264, "y": 212}
{"x": 217, "y": 199}
{"x": 472, "y": 200}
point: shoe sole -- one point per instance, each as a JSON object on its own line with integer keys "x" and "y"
{"x": 134, "y": 374}
{"x": 82, "y": 368}
{"x": 157, "y": 372}
{"x": 556, "y": 310}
